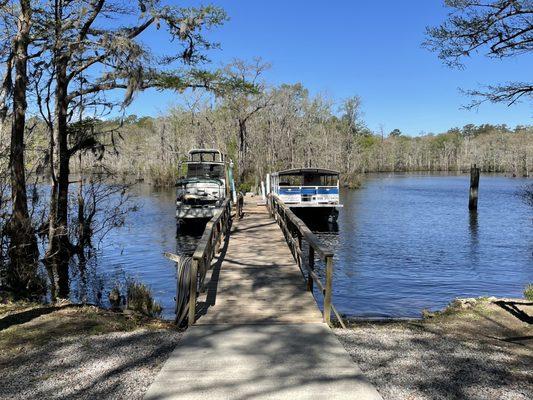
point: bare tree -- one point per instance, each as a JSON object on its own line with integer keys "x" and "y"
{"x": 297, "y": 130}
{"x": 245, "y": 98}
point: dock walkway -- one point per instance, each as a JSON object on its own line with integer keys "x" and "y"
{"x": 259, "y": 333}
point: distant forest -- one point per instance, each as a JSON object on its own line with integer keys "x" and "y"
{"x": 286, "y": 128}
{"x": 276, "y": 129}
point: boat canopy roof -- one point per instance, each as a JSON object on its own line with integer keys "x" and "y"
{"x": 307, "y": 171}
{"x": 205, "y": 155}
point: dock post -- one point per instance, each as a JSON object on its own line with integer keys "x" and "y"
{"x": 474, "y": 184}
{"x": 192, "y": 292}
{"x": 311, "y": 265}
{"x": 327, "y": 295}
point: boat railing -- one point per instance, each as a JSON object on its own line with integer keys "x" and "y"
{"x": 309, "y": 194}
{"x": 296, "y": 234}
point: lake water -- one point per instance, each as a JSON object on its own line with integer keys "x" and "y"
{"x": 408, "y": 242}
{"x": 404, "y": 243}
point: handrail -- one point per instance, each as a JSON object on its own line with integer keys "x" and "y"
{"x": 208, "y": 245}
{"x": 295, "y": 230}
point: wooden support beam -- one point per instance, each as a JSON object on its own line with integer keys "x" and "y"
{"x": 328, "y": 288}
{"x": 311, "y": 266}
{"x": 474, "y": 185}
{"x": 192, "y": 292}
{"x": 172, "y": 257}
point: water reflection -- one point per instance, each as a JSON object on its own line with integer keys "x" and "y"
{"x": 321, "y": 226}
{"x": 136, "y": 252}
{"x": 408, "y": 242}
{"x": 187, "y": 237}
{"x": 473, "y": 225}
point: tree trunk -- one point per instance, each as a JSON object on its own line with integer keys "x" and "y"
{"x": 59, "y": 248}
{"x": 5, "y": 92}
{"x": 242, "y": 151}
{"x": 23, "y": 251}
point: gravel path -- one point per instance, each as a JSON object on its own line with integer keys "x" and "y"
{"x": 412, "y": 362}
{"x": 119, "y": 365}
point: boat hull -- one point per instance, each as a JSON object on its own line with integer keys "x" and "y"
{"x": 324, "y": 213}
{"x": 190, "y": 214}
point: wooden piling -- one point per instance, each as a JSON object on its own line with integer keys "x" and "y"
{"x": 192, "y": 292}
{"x": 327, "y": 294}
{"x": 474, "y": 184}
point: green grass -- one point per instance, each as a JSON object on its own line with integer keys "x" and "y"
{"x": 67, "y": 321}
{"x": 139, "y": 299}
{"x": 456, "y": 310}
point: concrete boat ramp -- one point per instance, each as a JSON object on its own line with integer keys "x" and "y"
{"x": 259, "y": 333}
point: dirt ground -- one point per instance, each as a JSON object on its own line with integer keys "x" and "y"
{"x": 71, "y": 352}
{"x": 475, "y": 349}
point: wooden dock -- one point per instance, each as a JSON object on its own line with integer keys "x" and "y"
{"x": 258, "y": 333}
{"x": 258, "y": 280}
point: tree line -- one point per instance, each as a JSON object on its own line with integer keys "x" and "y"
{"x": 284, "y": 127}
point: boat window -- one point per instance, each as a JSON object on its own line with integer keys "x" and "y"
{"x": 307, "y": 179}
{"x": 196, "y": 157}
{"x": 205, "y": 171}
{"x": 329, "y": 180}
{"x": 312, "y": 180}
{"x": 291, "y": 180}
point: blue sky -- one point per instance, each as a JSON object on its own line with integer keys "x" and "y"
{"x": 366, "y": 48}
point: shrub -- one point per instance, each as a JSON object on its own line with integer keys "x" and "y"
{"x": 245, "y": 187}
{"x": 115, "y": 297}
{"x": 139, "y": 299}
{"x": 351, "y": 181}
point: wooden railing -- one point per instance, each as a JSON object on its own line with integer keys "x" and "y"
{"x": 295, "y": 232}
{"x": 206, "y": 249}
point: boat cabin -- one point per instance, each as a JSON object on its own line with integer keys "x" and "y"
{"x": 202, "y": 191}
{"x": 306, "y": 186}
{"x": 206, "y": 163}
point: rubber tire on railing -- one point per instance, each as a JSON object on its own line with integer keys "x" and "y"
{"x": 182, "y": 290}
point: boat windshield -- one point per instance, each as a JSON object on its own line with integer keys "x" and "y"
{"x": 205, "y": 170}
{"x": 308, "y": 180}
{"x": 205, "y": 156}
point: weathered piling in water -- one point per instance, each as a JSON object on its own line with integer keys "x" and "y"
{"x": 474, "y": 185}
